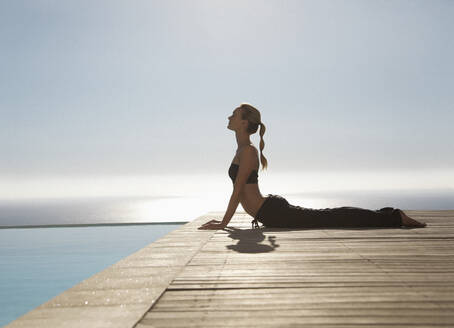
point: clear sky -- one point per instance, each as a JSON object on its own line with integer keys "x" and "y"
{"x": 136, "y": 88}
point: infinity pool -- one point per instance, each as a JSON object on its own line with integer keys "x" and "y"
{"x": 37, "y": 264}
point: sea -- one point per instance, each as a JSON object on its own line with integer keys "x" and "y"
{"x": 47, "y": 245}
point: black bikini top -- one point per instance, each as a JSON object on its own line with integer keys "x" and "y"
{"x": 233, "y": 171}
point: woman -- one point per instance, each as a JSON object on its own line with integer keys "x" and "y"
{"x": 274, "y": 210}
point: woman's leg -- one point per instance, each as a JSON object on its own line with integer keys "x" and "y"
{"x": 347, "y": 216}
{"x": 277, "y": 212}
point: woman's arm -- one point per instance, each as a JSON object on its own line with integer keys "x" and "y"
{"x": 231, "y": 208}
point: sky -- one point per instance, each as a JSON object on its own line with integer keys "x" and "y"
{"x": 124, "y": 90}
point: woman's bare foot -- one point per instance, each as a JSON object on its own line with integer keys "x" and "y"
{"x": 409, "y": 222}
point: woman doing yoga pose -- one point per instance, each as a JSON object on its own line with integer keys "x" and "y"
{"x": 274, "y": 210}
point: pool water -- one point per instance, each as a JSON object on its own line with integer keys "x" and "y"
{"x": 37, "y": 264}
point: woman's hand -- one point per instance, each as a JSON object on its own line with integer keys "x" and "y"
{"x": 212, "y": 225}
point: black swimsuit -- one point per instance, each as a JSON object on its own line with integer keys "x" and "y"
{"x": 233, "y": 171}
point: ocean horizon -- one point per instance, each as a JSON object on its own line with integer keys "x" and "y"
{"x": 180, "y": 209}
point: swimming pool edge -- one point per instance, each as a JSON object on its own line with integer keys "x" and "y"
{"x": 121, "y": 294}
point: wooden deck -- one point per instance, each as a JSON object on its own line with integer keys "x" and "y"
{"x": 330, "y": 278}
{"x": 375, "y": 277}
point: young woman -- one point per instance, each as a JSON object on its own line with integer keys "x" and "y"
{"x": 274, "y": 210}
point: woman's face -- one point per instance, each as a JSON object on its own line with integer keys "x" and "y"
{"x": 235, "y": 120}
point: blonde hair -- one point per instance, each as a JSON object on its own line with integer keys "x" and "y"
{"x": 252, "y": 114}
